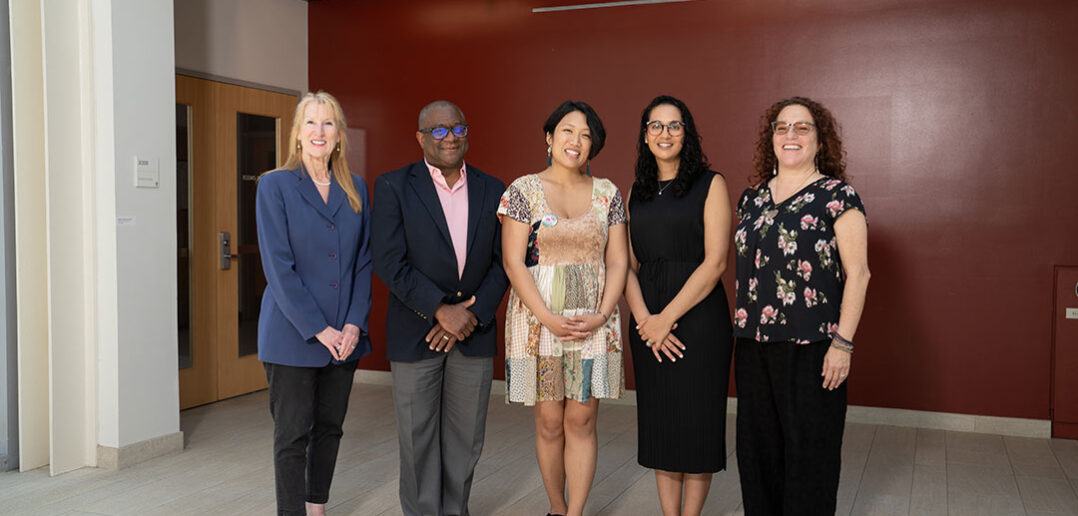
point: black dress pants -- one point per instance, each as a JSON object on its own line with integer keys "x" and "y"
{"x": 308, "y": 405}
{"x": 789, "y": 429}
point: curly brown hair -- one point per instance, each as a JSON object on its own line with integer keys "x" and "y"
{"x": 830, "y": 160}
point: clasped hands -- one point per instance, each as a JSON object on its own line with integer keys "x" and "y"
{"x": 455, "y": 323}
{"x": 340, "y": 343}
{"x": 575, "y": 328}
{"x": 655, "y": 331}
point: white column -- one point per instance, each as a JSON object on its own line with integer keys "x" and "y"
{"x": 142, "y": 261}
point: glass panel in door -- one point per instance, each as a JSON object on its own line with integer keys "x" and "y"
{"x": 183, "y": 234}
{"x": 256, "y": 152}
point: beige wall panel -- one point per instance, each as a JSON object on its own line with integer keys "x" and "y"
{"x": 68, "y": 176}
{"x": 28, "y": 137}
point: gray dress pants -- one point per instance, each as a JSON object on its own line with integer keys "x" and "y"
{"x": 441, "y": 407}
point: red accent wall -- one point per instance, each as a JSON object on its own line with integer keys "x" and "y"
{"x": 959, "y": 118}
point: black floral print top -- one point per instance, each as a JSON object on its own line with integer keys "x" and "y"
{"x": 789, "y": 274}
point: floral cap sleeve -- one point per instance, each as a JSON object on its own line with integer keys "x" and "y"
{"x": 743, "y": 203}
{"x": 616, "y": 214}
{"x": 843, "y": 198}
{"x": 515, "y": 205}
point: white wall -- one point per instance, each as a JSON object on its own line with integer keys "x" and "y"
{"x": 141, "y": 111}
{"x": 258, "y": 41}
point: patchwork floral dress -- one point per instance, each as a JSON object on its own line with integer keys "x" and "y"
{"x": 566, "y": 261}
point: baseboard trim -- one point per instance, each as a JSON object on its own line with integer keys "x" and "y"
{"x": 1011, "y": 426}
{"x": 134, "y": 453}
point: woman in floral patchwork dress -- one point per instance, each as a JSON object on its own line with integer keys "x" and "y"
{"x": 802, "y": 274}
{"x": 565, "y": 250}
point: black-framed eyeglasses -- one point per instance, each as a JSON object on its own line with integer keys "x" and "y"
{"x": 800, "y": 128}
{"x": 655, "y": 127}
{"x": 441, "y": 131}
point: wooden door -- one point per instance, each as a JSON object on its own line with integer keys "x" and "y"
{"x": 227, "y": 135}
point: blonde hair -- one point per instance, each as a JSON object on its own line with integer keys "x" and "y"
{"x": 337, "y": 160}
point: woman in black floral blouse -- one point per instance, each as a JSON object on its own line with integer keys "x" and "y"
{"x": 802, "y": 274}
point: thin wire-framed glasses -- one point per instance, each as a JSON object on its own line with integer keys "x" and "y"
{"x": 800, "y": 128}
{"x": 655, "y": 127}
{"x": 441, "y": 131}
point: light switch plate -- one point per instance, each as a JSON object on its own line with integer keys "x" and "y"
{"x": 147, "y": 173}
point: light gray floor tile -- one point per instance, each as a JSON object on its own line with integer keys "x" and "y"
{"x": 226, "y": 468}
{"x": 931, "y": 447}
{"x": 889, "y": 468}
{"x": 979, "y": 450}
{"x": 856, "y": 446}
{"x": 1033, "y": 458}
{"x": 928, "y": 494}
{"x": 977, "y": 443}
{"x": 980, "y": 481}
{"x": 874, "y": 504}
{"x": 1066, "y": 452}
{"x": 1048, "y": 494}
{"x": 638, "y": 498}
{"x": 966, "y": 504}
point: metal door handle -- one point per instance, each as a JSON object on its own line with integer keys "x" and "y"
{"x": 224, "y": 241}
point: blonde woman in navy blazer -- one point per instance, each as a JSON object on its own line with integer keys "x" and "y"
{"x": 313, "y": 233}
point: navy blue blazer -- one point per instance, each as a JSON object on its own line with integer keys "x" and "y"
{"x": 317, "y": 259}
{"x": 414, "y": 257}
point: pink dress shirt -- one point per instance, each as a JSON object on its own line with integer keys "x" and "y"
{"x": 455, "y": 207}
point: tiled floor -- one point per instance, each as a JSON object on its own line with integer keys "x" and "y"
{"x": 226, "y": 469}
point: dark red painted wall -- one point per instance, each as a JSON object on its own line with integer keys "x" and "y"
{"x": 959, "y": 119}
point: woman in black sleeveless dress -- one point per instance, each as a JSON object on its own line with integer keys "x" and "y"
{"x": 681, "y": 337}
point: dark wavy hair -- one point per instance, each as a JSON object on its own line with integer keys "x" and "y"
{"x": 830, "y": 159}
{"x": 693, "y": 160}
{"x": 595, "y": 125}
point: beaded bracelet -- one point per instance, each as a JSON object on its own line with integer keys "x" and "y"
{"x": 840, "y": 342}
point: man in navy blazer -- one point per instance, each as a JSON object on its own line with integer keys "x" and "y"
{"x": 437, "y": 246}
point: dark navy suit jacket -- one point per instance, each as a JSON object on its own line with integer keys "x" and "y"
{"x": 317, "y": 260}
{"x": 414, "y": 257}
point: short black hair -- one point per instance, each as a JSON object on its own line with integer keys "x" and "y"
{"x": 598, "y": 132}
{"x": 438, "y": 104}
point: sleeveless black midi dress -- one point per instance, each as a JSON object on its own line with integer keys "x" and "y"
{"x": 681, "y": 406}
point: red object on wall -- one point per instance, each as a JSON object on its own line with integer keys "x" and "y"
{"x": 957, "y": 117}
{"x": 1065, "y": 354}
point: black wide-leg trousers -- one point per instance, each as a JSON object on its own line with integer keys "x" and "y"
{"x": 789, "y": 429}
{"x": 308, "y": 406}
